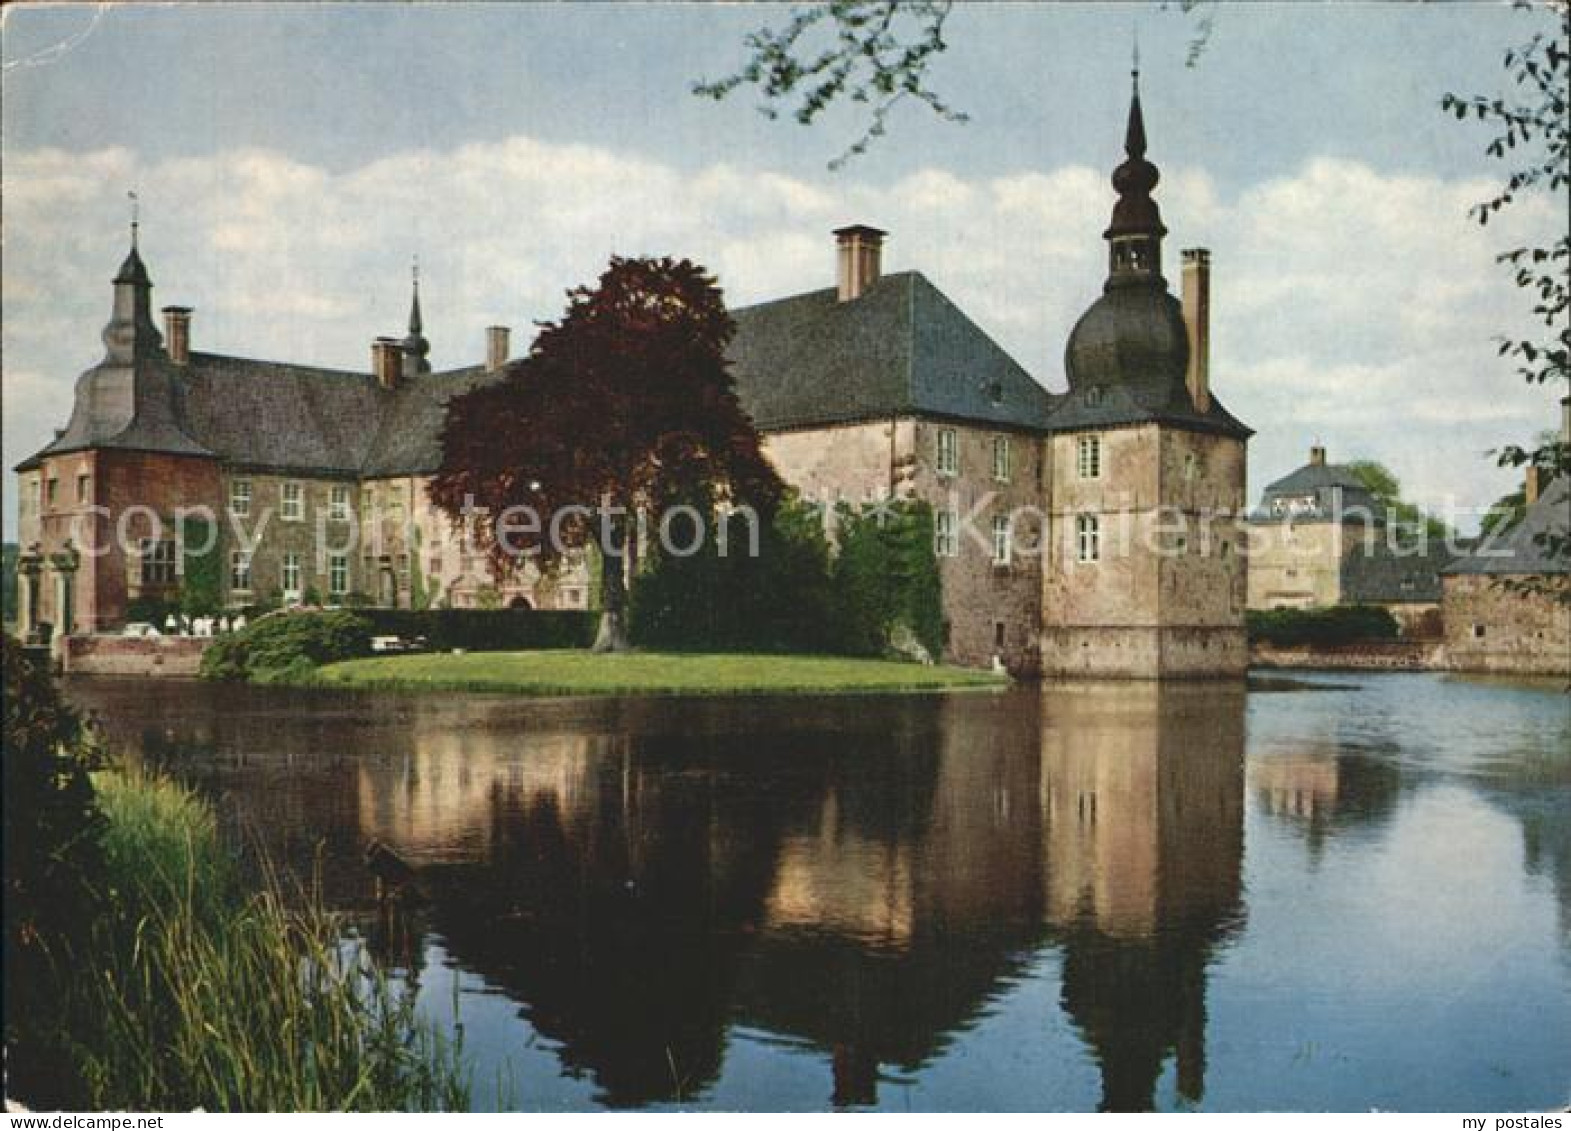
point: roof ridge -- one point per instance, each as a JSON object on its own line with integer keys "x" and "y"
{"x": 299, "y": 366}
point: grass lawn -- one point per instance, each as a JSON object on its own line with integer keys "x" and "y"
{"x": 651, "y": 673}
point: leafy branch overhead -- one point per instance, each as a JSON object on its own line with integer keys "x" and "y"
{"x": 1533, "y": 133}
{"x": 873, "y": 52}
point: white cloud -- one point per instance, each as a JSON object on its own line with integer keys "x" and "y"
{"x": 1350, "y": 306}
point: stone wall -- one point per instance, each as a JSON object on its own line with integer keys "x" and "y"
{"x": 1492, "y": 629}
{"x": 132, "y": 655}
{"x": 1295, "y": 565}
{"x": 1366, "y": 655}
{"x": 1166, "y": 596}
{"x": 314, "y": 538}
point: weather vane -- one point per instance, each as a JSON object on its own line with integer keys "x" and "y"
{"x": 135, "y": 213}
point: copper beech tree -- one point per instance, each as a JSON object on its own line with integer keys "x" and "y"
{"x": 624, "y": 406}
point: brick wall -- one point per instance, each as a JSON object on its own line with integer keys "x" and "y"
{"x": 133, "y": 656}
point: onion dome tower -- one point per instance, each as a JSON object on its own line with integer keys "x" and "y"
{"x": 1133, "y": 337}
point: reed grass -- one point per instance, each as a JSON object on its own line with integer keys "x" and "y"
{"x": 201, "y": 993}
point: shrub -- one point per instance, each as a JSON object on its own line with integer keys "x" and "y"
{"x": 285, "y": 646}
{"x": 52, "y": 856}
{"x": 1336, "y": 624}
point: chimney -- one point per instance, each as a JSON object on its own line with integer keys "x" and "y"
{"x": 1532, "y": 484}
{"x": 386, "y": 362}
{"x": 1317, "y": 456}
{"x": 1197, "y": 322}
{"x": 860, "y": 254}
{"x": 177, "y": 329}
{"x": 1565, "y": 420}
{"x": 496, "y": 348}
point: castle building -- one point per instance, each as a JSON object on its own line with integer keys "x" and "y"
{"x": 1319, "y": 538}
{"x": 1083, "y": 533}
{"x": 1506, "y": 606}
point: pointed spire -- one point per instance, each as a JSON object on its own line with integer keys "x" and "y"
{"x": 415, "y": 347}
{"x": 1135, "y": 234}
{"x": 130, "y": 333}
{"x": 414, "y": 305}
{"x": 1135, "y": 134}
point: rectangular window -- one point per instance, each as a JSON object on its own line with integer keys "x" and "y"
{"x": 338, "y": 506}
{"x": 1001, "y": 459}
{"x": 51, "y": 491}
{"x": 945, "y": 542}
{"x": 403, "y": 567}
{"x": 1090, "y": 457}
{"x": 84, "y": 488}
{"x": 292, "y": 577}
{"x": 1002, "y": 539}
{"x": 158, "y": 562}
{"x": 998, "y": 634}
{"x": 338, "y": 575}
{"x": 948, "y": 452}
{"x": 1088, "y": 538}
{"x": 240, "y": 571}
{"x": 293, "y": 508}
{"x": 240, "y": 497}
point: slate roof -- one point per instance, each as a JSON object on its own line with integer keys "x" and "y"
{"x": 1518, "y": 551}
{"x": 409, "y": 439}
{"x": 1324, "y": 481}
{"x": 1115, "y": 404}
{"x": 263, "y": 415}
{"x": 901, "y": 348}
{"x": 1384, "y": 577}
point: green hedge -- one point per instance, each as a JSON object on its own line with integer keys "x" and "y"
{"x": 287, "y": 646}
{"x": 486, "y": 630}
{"x": 1338, "y": 624}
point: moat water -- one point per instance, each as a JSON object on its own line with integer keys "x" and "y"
{"x": 1341, "y": 892}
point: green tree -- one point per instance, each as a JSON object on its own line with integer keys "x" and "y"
{"x": 1382, "y": 483}
{"x": 625, "y": 405}
{"x": 1531, "y": 127}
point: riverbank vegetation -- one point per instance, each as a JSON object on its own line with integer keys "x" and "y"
{"x": 591, "y": 673}
{"x": 144, "y": 972}
{"x": 1335, "y": 624}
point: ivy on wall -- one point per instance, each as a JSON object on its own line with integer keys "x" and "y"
{"x": 201, "y": 585}
{"x": 797, "y": 594}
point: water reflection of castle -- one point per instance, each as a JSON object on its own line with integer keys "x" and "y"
{"x": 866, "y": 885}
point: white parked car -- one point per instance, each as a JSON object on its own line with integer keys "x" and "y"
{"x": 141, "y": 628}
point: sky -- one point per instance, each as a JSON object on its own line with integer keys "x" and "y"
{"x": 292, "y": 160}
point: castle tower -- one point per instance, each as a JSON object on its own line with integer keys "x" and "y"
{"x": 1145, "y": 572}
